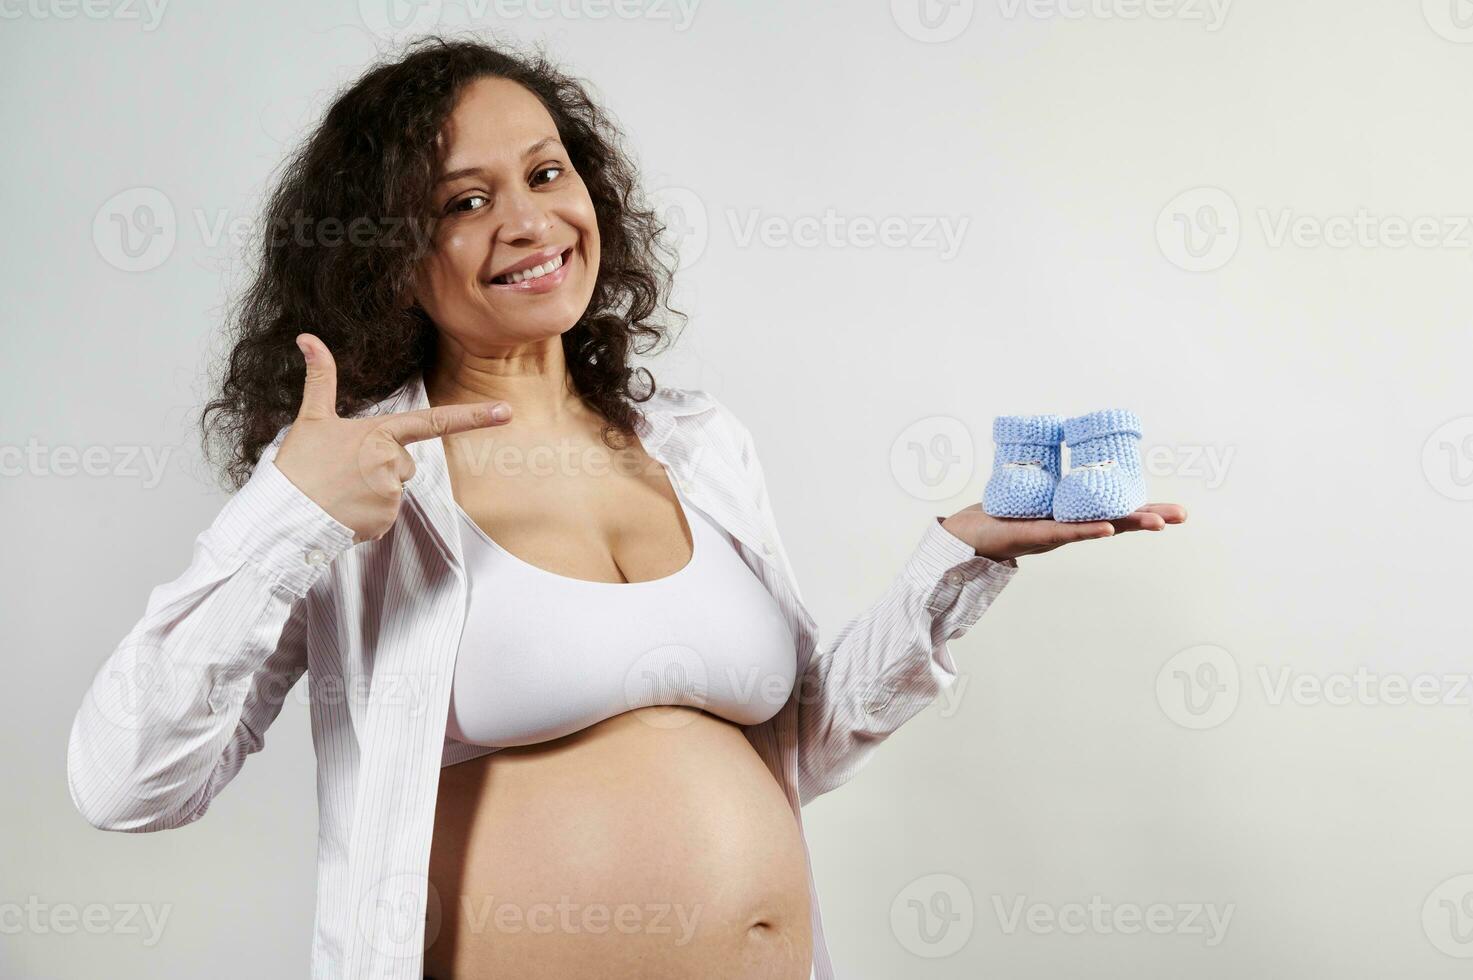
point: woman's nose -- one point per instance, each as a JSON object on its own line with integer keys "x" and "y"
{"x": 526, "y": 220}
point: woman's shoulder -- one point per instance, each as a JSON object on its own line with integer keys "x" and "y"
{"x": 676, "y": 400}
{"x": 705, "y": 420}
{"x": 699, "y": 407}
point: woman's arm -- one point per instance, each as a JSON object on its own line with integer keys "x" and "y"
{"x": 890, "y": 661}
{"x": 192, "y": 688}
{"x": 190, "y": 691}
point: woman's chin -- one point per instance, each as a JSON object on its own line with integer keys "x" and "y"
{"x": 501, "y": 327}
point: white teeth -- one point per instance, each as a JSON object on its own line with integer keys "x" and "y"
{"x": 536, "y": 271}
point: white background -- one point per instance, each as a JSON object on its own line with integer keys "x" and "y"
{"x": 1304, "y": 394}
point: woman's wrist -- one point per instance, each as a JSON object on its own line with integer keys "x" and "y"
{"x": 950, "y": 527}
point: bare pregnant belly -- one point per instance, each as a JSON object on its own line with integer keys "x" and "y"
{"x": 653, "y": 844}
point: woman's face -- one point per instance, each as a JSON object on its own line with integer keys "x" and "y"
{"x": 508, "y": 197}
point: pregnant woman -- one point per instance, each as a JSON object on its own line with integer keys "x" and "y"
{"x": 566, "y": 699}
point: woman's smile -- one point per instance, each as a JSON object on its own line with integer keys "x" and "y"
{"x": 540, "y": 273}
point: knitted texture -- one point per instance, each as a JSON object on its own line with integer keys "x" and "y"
{"x": 1026, "y": 466}
{"x": 1105, "y": 479}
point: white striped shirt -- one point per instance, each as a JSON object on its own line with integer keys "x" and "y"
{"x": 275, "y": 588}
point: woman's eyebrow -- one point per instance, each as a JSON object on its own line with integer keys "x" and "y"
{"x": 536, "y": 147}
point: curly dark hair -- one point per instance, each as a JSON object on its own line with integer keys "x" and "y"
{"x": 371, "y": 165}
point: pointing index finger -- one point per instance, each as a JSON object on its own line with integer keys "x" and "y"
{"x": 443, "y": 420}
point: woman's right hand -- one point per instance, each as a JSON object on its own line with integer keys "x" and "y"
{"x": 355, "y": 469}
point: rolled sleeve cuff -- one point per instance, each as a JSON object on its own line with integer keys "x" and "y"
{"x": 947, "y": 569}
{"x": 280, "y": 530}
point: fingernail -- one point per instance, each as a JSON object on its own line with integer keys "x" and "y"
{"x": 302, "y": 346}
{"x": 500, "y": 413}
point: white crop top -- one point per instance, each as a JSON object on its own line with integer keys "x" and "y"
{"x": 543, "y": 655}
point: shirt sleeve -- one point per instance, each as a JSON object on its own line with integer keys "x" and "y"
{"x": 176, "y": 707}
{"x": 889, "y": 662}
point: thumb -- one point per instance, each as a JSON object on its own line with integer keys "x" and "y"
{"x": 320, "y": 390}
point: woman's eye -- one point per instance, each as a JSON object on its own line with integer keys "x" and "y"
{"x": 464, "y": 204}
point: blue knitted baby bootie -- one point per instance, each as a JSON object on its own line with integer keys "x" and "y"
{"x": 1026, "y": 466}
{"x": 1105, "y": 478}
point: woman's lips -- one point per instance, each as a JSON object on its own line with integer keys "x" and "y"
{"x": 542, "y": 284}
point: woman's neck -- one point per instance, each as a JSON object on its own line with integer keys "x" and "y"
{"x": 532, "y": 378}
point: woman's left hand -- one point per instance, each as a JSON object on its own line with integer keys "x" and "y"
{"x": 1003, "y": 538}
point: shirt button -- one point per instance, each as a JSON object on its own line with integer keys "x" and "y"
{"x": 317, "y": 557}
{"x": 954, "y": 577}
{"x": 224, "y": 693}
{"x": 767, "y": 549}
{"x": 879, "y": 700}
